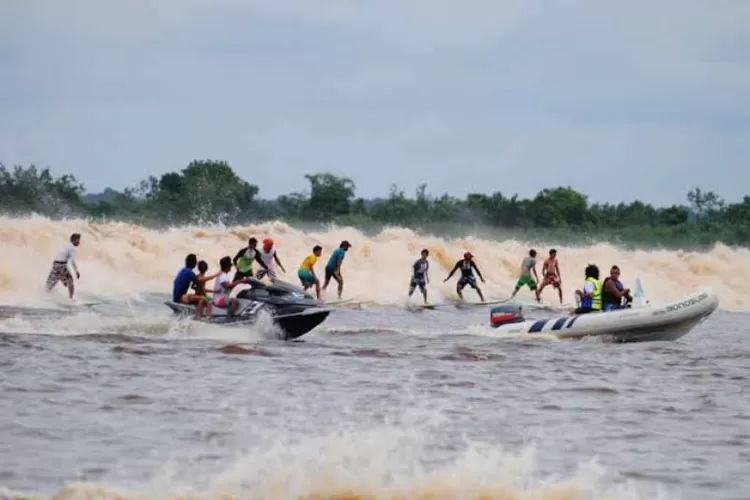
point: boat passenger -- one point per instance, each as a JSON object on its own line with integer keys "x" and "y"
{"x": 613, "y": 292}
{"x": 200, "y": 289}
{"x": 269, "y": 257}
{"x": 186, "y": 277}
{"x": 223, "y": 287}
{"x": 591, "y": 295}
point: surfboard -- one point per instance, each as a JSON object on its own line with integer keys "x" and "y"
{"x": 486, "y": 303}
{"x": 85, "y": 304}
{"x": 339, "y": 302}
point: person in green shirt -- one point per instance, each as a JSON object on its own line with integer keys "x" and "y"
{"x": 244, "y": 259}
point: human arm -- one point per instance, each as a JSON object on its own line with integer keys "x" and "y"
{"x": 238, "y": 256}
{"x": 476, "y": 269}
{"x": 260, "y": 261}
{"x": 73, "y": 261}
{"x": 557, "y": 270}
{"x": 453, "y": 271}
{"x": 276, "y": 258}
{"x": 612, "y": 288}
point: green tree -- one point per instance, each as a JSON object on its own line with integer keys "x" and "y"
{"x": 330, "y": 195}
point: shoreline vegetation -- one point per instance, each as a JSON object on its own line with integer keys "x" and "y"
{"x": 211, "y": 192}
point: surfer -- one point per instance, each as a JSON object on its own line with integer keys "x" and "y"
{"x": 467, "y": 266}
{"x": 223, "y": 287}
{"x": 552, "y": 276}
{"x": 333, "y": 267}
{"x": 269, "y": 258}
{"x": 419, "y": 277}
{"x": 613, "y": 291}
{"x": 245, "y": 258}
{"x": 591, "y": 295}
{"x": 60, "y": 271}
{"x": 524, "y": 278}
{"x": 186, "y": 277}
{"x": 306, "y": 271}
{"x": 200, "y": 289}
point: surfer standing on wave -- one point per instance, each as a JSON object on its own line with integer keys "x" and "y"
{"x": 245, "y": 258}
{"x": 527, "y": 266}
{"x": 552, "y": 276}
{"x": 333, "y": 267}
{"x": 60, "y": 272}
{"x": 306, "y": 271}
{"x": 467, "y": 266}
{"x": 419, "y": 277}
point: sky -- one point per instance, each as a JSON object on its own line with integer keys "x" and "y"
{"x": 619, "y": 100}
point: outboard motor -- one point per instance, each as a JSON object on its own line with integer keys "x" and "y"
{"x": 505, "y": 315}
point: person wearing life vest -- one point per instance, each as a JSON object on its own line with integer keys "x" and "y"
{"x": 613, "y": 292}
{"x": 591, "y": 295}
{"x": 244, "y": 259}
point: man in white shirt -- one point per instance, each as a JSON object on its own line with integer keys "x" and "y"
{"x": 270, "y": 258}
{"x": 60, "y": 270}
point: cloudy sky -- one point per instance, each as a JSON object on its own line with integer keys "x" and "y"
{"x": 621, "y": 100}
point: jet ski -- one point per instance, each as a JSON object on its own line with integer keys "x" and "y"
{"x": 643, "y": 321}
{"x": 292, "y": 310}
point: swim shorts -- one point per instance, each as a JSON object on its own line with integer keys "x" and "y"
{"x": 526, "y": 280}
{"x": 306, "y": 277}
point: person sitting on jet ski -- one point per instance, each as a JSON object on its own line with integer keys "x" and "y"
{"x": 591, "y": 295}
{"x": 244, "y": 259}
{"x": 200, "y": 287}
{"x": 186, "y": 277}
{"x": 223, "y": 287}
{"x": 613, "y": 291}
{"x": 467, "y": 266}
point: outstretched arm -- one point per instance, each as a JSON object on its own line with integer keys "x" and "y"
{"x": 453, "y": 271}
{"x": 260, "y": 261}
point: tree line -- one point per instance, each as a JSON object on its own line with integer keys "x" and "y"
{"x": 209, "y": 191}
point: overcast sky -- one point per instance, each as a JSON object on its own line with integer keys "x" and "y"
{"x": 620, "y": 100}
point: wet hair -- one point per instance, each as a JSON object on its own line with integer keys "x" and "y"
{"x": 202, "y": 266}
{"x": 344, "y": 245}
{"x": 614, "y": 268}
{"x": 190, "y": 261}
{"x": 252, "y": 241}
{"x": 532, "y": 253}
{"x": 317, "y": 248}
{"x": 592, "y": 271}
{"x": 225, "y": 263}
{"x": 425, "y": 251}
{"x": 75, "y": 236}
{"x": 552, "y": 251}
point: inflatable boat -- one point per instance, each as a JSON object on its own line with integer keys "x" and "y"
{"x": 641, "y": 322}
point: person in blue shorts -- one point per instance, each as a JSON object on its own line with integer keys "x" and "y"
{"x": 333, "y": 268}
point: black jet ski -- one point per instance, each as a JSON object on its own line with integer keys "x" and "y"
{"x": 293, "y": 310}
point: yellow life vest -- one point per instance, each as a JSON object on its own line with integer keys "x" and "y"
{"x": 596, "y": 295}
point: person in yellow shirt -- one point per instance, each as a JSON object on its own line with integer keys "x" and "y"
{"x": 306, "y": 272}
